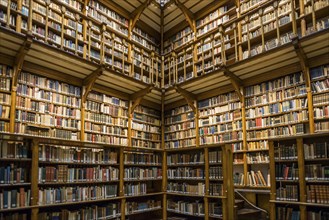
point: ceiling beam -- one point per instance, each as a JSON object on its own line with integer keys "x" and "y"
{"x": 188, "y": 96}
{"x": 137, "y": 97}
{"x": 188, "y": 15}
{"x": 137, "y": 13}
{"x": 20, "y": 57}
{"x": 90, "y": 80}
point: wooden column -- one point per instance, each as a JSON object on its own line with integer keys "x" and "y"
{"x": 302, "y": 20}
{"x": 19, "y": 16}
{"x": 196, "y": 121}
{"x": 35, "y": 179}
{"x": 8, "y": 13}
{"x": 228, "y": 166}
{"x": 29, "y": 21}
{"x": 164, "y": 158}
{"x": 130, "y": 118}
{"x": 273, "y": 182}
{"x": 301, "y": 178}
{"x": 206, "y": 171}
{"x": 121, "y": 182}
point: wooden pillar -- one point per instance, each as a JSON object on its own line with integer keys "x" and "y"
{"x": 206, "y": 171}
{"x": 29, "y": 22}
{"x": 19, "y": 16}
{"x": 196, "y": 121}
{"x": 301, "y": 179}
{"x": 35, "y": 179}
{"x": 273, "y": 182}
{"x": 121, "y": 182}
{"x": 228, "y": 166}
{"x": 302, "y": 21}
{"x": 83, "y": 117}
{"x": 164, "y": 158}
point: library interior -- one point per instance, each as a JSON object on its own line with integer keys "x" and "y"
{"x": 164, "y": 109}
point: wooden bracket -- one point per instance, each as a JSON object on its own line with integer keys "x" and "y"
{"x": 137, "y": 13}
{"x": 188, "y": 96}
{"x": 302, "y": 58}
{"x": 138, "y": 96}
{"x": 236, "y": 81}
{"x": 20, "y": 57}
{"x": 90, "y": 80}
{"x": 188, "y": 15}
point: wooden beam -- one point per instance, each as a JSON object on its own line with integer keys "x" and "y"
{"x": 188, "y": 15}
{"x": 18, "y": 65}
{"x": 188, "y": 96}
{"x": 90, "y": 80}
{"x": 137, "y": 13}
{"x": 235, "y": 80}
{"x": 302, "y": 57}
{"x": 138, "y": 96}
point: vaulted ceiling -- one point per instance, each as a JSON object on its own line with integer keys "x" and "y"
{"x": 172, "y": 10}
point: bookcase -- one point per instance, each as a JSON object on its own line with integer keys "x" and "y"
{"x": 106, "y": 119}
{"x": 299, "y": 189}
{"x": 195, "y": 186}
{"x": 146, "y": 128}
{"x": 238, "y": 31}
{"x": 180, "y": 128}
{"x": 15, "y": 178}
{"x": 5, "y": 96}
{"x": 48, "y": 108}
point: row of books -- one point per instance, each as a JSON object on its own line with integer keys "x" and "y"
{"x": 106, "y": 119}
{"x": 145, "y": 135}
{"x": 274, "y": 85}
{"x": 65, "y": 174}
{"x": 142, "y": 158}
{"x": 137, "y": 173}
{"x": 146, "y": 118}
{"x": 17, "y": 150}
{"x": 286, "y": 171}
{"x": 6, "y": 71}
{"x": 186, "y": 188}
{"x": 135, "y": 189}
{"x": 41, "y": 130}
{"x": 316, "y": 150}
{"x": 215, "y": 156}
{"x": 258, "y": 157}
{"x": 145, "y": 143}
{"x": 287, "y": 193}
{"x": 5, "y": 84}
{"x": 283, "y": 213}
{"x": 103, "y": 98}
{"x": 185, "y": 158}
{"x": 14, "y": 198}
{"x": 226, "y": 117}
{"x": 75, "y": 194}
{"x": 190, "y": 133}
{"x": 106, "y": 130}
{"x": 275, "y": 132}
{"x": 145, "y": 127}
{"x": 314, "y": 172}
{"x": 59, "y": 153}
{"x": 179, "y": 118}
{"x": 48, "y": 84}
{"x": 108, "y": 109}
{"x": 257, "y": 179}
{"x": 179, "y": 127}
{"x": 186, "y": 173}
{"x": 215, "y": 173}
{"x": 13, "y": 173}
{"x": 136, "y": 207}
{"x": 318, "y": 194}
{"x": 221, "y": 128}
{"x": 96, "y": 212}
{"x": 185, "y": 207}
{"x": 320, "y": 99}
{"x": 321, "y": 112}
{"x": 221, "y": 137}
{"x": 106, "y": 139}
{"x": 216, "y": 189}
{"x": 285, "y": 105}
{"x": 322, "y": 126}
{"x": 255, "y": 145}
{"x": 180, "y": 143}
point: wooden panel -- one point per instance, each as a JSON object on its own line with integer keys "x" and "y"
{"x": 113, "y": 86}
{"x": 153, "y": 23}
{"x": 196, "y": 6}
{"x": 212, "y": 87}
{"x": 247, "y": 63}
{"x": 8, "y": 51}
{"x": 157, "y": 100}
{"x": 53, "y": 66}
{"x": 64, "y": 65}
{"x": 318, "y": 52}
{"x": 270, "y": 68}
{"x": 58, "y": 54}
{"x": 128, "y": 5}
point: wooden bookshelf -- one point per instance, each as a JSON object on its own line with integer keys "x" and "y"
{"x": 298, "y": 189}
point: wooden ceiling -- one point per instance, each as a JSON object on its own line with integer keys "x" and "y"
{"x": 172, "y": 11}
